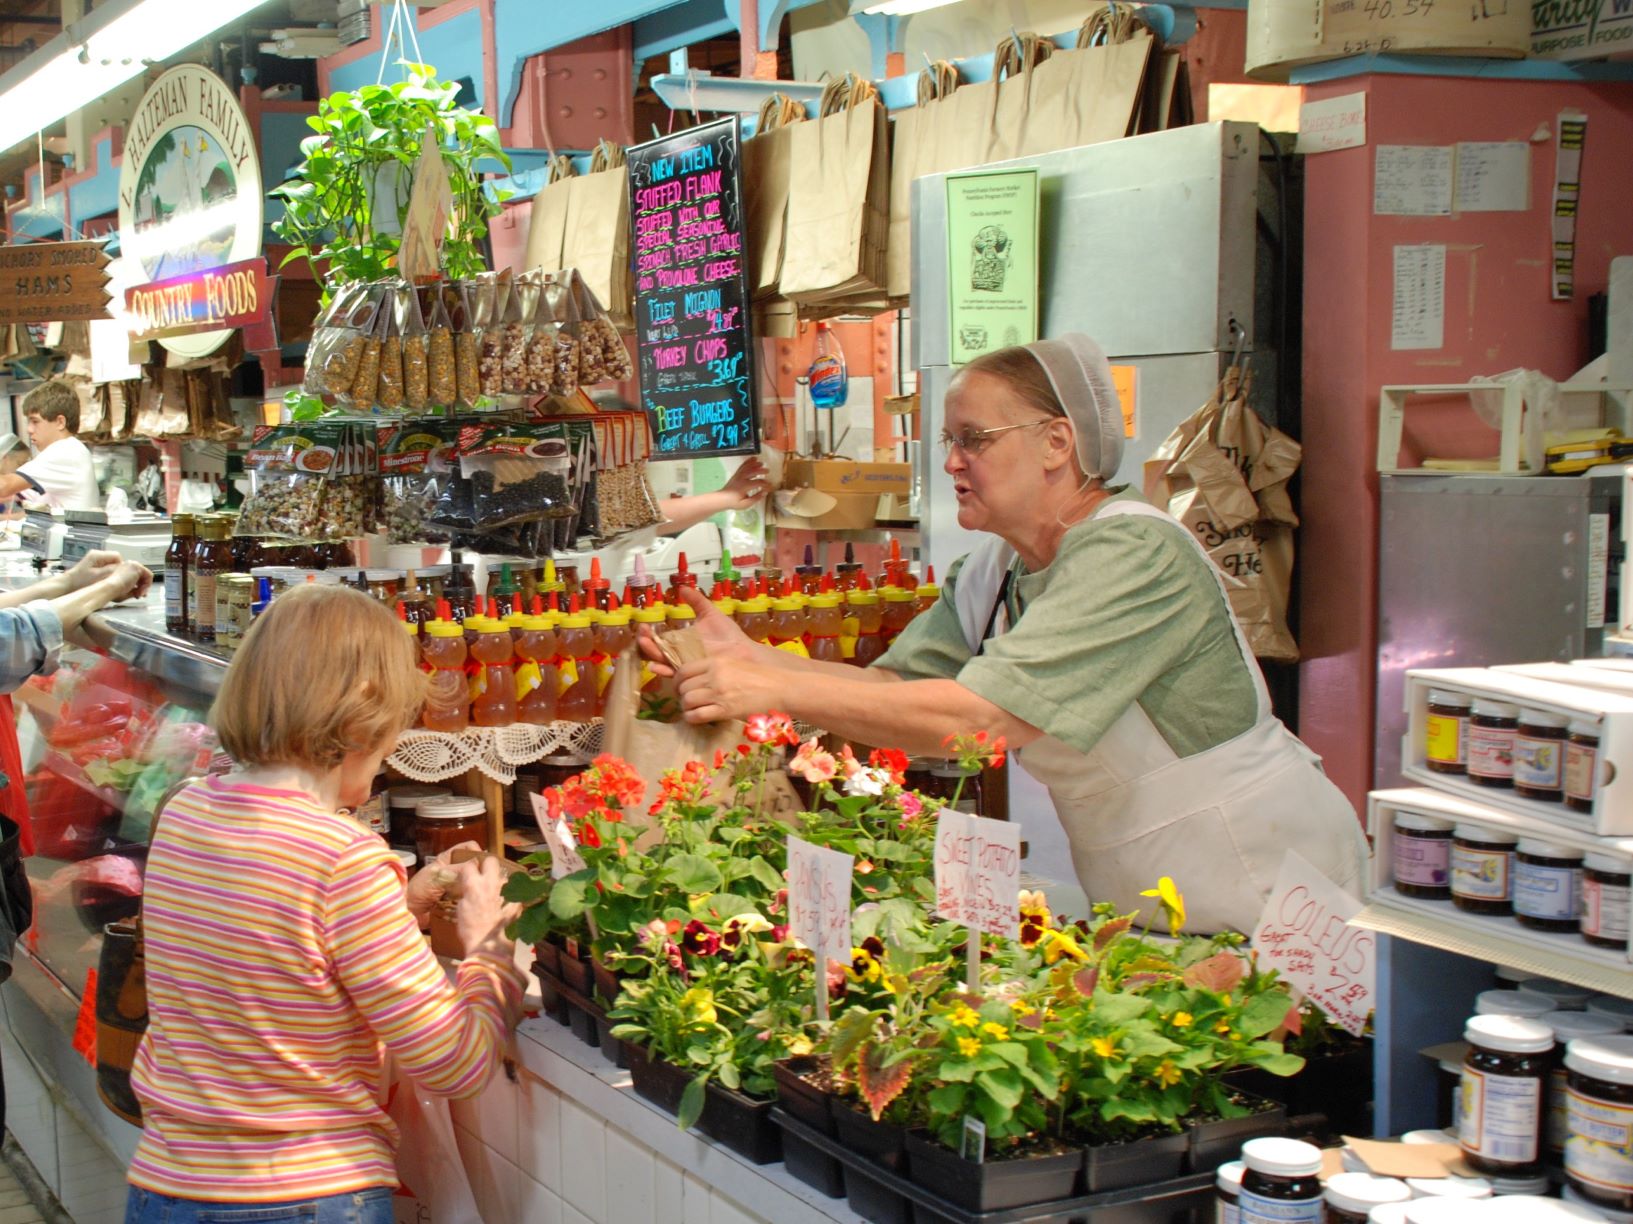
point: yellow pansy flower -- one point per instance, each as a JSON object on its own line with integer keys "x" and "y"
{"x": 1022, "y": 1008}
{"x": 800, "y": 1045}
{"x": 1167, "y": 1074}
{"x": 964, "y": 1017}
{"x": 1105, "y": 1047}
{"x": 1181, "y": 1019}
{"x": 969, "y": 1047}
{"x": 1061, "y": 944}
{"x": 1172, "y": 902}
{"x": 996, "y": 1031}
{"x": 697, "y": 1005}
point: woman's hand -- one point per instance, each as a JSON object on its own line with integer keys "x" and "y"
{"x": 725, "y": 687}
{"x": 748, "y": 484}
{"x": 483, "y": 913}
{"x": 430, "y": 883}
{"x": 720, "y": 635}
{"x": 94, "y": 566}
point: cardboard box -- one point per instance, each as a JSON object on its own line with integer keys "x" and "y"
{"x": 1282, "y": 35}
{"x": 1581, "y": 29}
{"x": 850, "y": 512}
{"x": 848, "y": 476}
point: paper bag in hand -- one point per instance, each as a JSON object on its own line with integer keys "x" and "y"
{"x": 1223, "y": 474}
{"x": 655, "y": 747}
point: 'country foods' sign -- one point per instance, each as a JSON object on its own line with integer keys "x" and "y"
{"x": 189, "y": 205}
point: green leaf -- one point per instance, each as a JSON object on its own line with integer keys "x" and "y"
{"x": 765, "y": 874}
{"x": 1263, "y": 1014}
{"x": 1004, "y": 1086}
{"x": 570, "y": 897}
{"x": 692, "y": 1102}
{"x": 729, "y": 1076}
{"x": 1267, "y": 1056}
{"x": 692, "y": 873}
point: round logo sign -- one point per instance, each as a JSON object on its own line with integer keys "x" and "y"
{"x": 190, "y": 186}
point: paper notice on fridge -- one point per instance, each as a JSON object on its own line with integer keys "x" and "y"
{"x": 1493, "y": 176}
{"x": 1573, "y": 135}
{"x": 1419, "y": 316}
{"x": 1412, "y": 180}
{"x": 1332, "y": 123}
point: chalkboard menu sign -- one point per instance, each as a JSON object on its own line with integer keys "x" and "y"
{"x": 692, "y": 328}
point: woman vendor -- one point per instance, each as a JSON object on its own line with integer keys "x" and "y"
{"x": 1093, "y": 633}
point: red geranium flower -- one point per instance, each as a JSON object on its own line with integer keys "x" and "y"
{"x": 892, "y": 760}
{"x": 773, "y": 729}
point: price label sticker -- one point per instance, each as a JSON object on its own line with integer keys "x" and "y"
{"x": 819, "y": 898}
{"x": 558, "y": 838}
{"x": 978, "y": 873}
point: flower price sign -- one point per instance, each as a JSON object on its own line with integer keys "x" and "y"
{"x": 819, "y": 898}
{"x": 1306, "y": 935}
{"x": 978, "y": 873}
{"x": 564, "y": 856}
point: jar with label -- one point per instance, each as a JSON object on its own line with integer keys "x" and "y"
{"x": 1574, "y": 1205}
{"x": 402, "y": 801}
{"x": 234, "y": 595}
{"x": 1227, "y": 1188}
{"x": 178, "y": 560}
{"x": 1599, "y": 1108}
{"x": 1581, "y": 764}
{"x": 1539, "y": 756}
{"x": 1281, "y": 1183}
{"x": 1562, "y": 996}
{"x": 212, "y": 557}
{"x": 1567, "y": 1027}
{"x": 1350, "y": 1197}
{"x": 442, "y": 824}
{"x": 1504, "y": 1075}
{"x": 1512, "y": 1003}
{"x": 1483, "y": 869}
{"x": 1445, "y": 746}
{"x": 373, "y": 814}
{"x": 1493, "y": 726}
{"x": 1422, "y": 856}
{"x": 1606, "y": 885}
{"x": 1547, "y": 886}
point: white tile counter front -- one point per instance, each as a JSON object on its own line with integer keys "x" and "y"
{"x": 568, "y": 1141}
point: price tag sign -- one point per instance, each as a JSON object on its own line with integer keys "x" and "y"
{"x": 819, "y": 899}
{"x": 978, "y": 873}
{"x": 558, "y": 837}
{"x": 1305, "y": 934}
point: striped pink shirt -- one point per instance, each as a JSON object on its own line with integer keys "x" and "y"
{"x": 281, "y": 962}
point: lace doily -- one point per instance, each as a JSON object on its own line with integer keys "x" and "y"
{"x": 436, "y": 756}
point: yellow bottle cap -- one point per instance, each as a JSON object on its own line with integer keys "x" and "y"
{"x": 574, "y": 620}
{"x": 617, "y": 616}
{"x": 827, "y": 600}
{"x": 413, "y": 629}
{"x": 899, "y": 595}
{"x": 654, "y": 615}
{"x": 929, "y": 591}
{"x": 862, "y": 598}
{"x": 727, "y": 605}
{"x": 491, "y": 625}
{"x": 534, "y": 622}
{"x": 681, "y": 612}
{"x": 444, "y": 629}
{"x": 514, "y": 620}
{"x": 755, "y": 606}
{"x": 788, "y": 603}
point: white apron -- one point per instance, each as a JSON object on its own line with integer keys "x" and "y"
{"x": 1218, "y": 822}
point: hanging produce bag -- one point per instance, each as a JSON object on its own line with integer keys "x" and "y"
{"x": 547, "y": 230}
{"x": 914, "y": 152}
{"x": 1223, "y": 473}
{"x": 1013, "y": 63}
{"x": 767, "y": 162}
{"x": 1091, "y": 93}
{"x": 839, "y": 202}
{"x": 596, "y": 239}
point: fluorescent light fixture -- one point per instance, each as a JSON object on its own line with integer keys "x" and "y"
{"x": 104, "y": 50}
{"x": 895, "y": 8}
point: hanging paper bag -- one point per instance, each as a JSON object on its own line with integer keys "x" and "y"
{"x": 913, "y": 153}
{"x": 596, "y": 238}
{"x": 1013, "y": 63}
{"x": 547, "y": 229}
{"x": 766, "y": 169}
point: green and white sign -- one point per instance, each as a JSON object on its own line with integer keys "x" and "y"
{"x": 189, "y": 187}
{"x": 992, "y": 260}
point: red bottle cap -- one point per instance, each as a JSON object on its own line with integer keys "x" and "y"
{"x": 538, "y": 605}
{"x": 681, "y": 568}
{"x": 444, "y": 612}
{"x": 493, "y": 608}
{"x": 595, "y": 582}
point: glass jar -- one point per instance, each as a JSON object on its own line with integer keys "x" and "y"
{"x": 1539, "y": 756}
{"x": 1567, "y": 1027}
{"x": 385, "y": 585}
{"x": 1512, "y": 1003}
{"x": 1227, "y": 1188}
{"x": 442, "y": 824}
{"x": 212, "y": 557}
{"x": 1547, "y": 886}
{"x": 234, "y": 595}
{"x": 402, "y": 801}
{"x": 1493, "y": 726}
{"x": 1445, "y": 747}
{"x": 1482, "y": 868}
{"x": 1614, "y": 1007}
{"x": 246, "y": 552}
{"x": 1561, "y": 996}
{"x": 1599, "y": 1119}
{"x": 1350, "y": 1197}
{"x": 946, "y": 778}
{"x": 1281, "y": 1182}
{"x": 1422, "y": 856}
{"x": 1462, "y": 1189}
{"x": 1581, "y": 764}
{"x": 433, "y": 577}
{"x": 1504, "y": 1076}
{"x": 1607, "y": 883}
{"x": 178, "y": 561}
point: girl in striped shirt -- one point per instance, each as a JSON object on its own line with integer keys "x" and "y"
{"x": 284, "y": 956}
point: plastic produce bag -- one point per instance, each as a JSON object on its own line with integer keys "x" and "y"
{"x": 338, "y": 340}
{"x": 1223, "y": 473}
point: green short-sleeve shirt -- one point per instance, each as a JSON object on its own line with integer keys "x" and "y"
{"x": 1128, "y": 611}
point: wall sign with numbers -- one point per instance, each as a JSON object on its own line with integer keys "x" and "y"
{"x": 693, "y": 331}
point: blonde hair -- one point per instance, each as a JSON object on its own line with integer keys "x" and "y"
{"x": 324, "y": 671}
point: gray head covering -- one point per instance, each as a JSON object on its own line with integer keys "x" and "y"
{"x": 1081, "y": 377}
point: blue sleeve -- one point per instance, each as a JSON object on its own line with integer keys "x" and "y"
{"x": 30, "y": 642}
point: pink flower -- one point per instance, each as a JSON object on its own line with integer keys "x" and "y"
{"x": 912, "y": 807}
{"x": 813, "y": 764}
{"x": 771, "y": 729}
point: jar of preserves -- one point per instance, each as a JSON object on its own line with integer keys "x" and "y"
{"x": 1581, "y": 764}
{"x": 556, "y": 768}
{"x": 1483, "y": 870}
{"x": 960, "y": 788}
{"x": 234, "y": 595}
{"x": 1564, "y": 996}
{"x": 1614, "y": 1007}
{"x": 1281, "y": 1183}
{"x": 1445, "y": 747}
{"x": 1512, "y": 1003}
{"x": 401, "y": 802}
{"x": 1422, "y": 856}
{"x": 1539, "y": 756}
{"x": 1493, "y": 726}
{"x": 1599, "y": 1120}
{"x": 212, "y": 557}
{"x": 1566, "y": 1028}
{"x": 384, "y": 584}
{"x": 1504, "y": 1076}
{"x": 1547, "y": 886}
{"x": 442, "y": 824}
{"x": 1227, "y": 1189}
{"x": 178, "y": 564}
{"x": 1350, "y": 1197}
{"x": 447, "y": 695}
{"x": 1607, "y": 883}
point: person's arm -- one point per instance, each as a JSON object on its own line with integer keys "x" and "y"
{"x": 13, "y": 485}
{"x": 447, "y": 1035}
{"x": 92, "y": 567}
{"x": 743, "y": 491}
{"x": 32, "y": 636}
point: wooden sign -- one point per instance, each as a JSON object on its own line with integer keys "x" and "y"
{"x": 429, "y": 204}
{"x": 234, "y": 295}
{"x": 694, "y": 341}
{"x": 53, "y": 282}
{"x": 1305, "y": 934}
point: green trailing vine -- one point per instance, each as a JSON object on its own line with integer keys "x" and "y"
{"x": 330, "y": 207}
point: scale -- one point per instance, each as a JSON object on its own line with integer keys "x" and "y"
{"x": 42, "y": 534}
{"x": 144, "y": 539}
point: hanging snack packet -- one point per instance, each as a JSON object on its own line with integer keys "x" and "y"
{"x": 415, "y": 461}
{"x": 416, "y": 350}
{"x": 565, "y": 379}
{"x": 515, "y": 475}
{"x": 541, "y": 343}
{"x": 442, "y": 369}
{"x": 338, "y": 339}
{"x": 367, "y": 383}
{"x": 599, "y": 334}
{"x": 289, "y": 466}
{"x": 476, "y": 303}
{"x": 492, "y": 336}
{"x": 389, "y": 390}
{"x": 524, "y": 297}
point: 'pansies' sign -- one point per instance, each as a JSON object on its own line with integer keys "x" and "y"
{"x": 819, "y": 898}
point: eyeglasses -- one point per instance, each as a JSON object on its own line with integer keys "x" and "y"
{"x": 974, "y": 441}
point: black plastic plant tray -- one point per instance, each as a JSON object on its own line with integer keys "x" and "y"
{"x": 1165, "y": 1202}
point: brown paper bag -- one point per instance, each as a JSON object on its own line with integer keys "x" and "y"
{"x": 548, "y": 226}
{"x": 912, "y": 148}
{"x": 766, "y": 166}
{"x": 839, "y": 199}
{"x": 1013, "y": 63}
{"x": 596, "y": 237}
{"x": 1092, "y": 93}
{"x": 1223, "y": 473}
